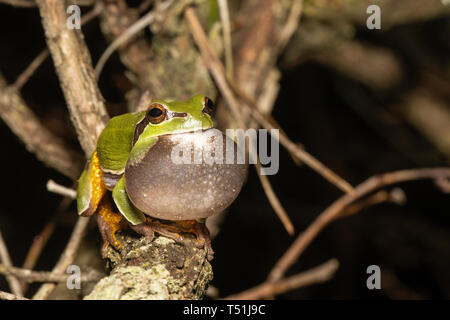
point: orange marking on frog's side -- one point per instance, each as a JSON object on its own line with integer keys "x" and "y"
{"x": 98, "y": 188}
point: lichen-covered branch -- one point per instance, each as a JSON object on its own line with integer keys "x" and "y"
{"x": 161, "y": 269}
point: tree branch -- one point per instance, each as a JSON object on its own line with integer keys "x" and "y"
{"x": 76, "y": 75}
{"x": 319, "y": 274}
{"x": 44, "y": 276}
{"x": 161, "y": 269}
{"x": 48, "y": 148}
{"x": 9, "y": 296}
{"x": 6, "y": 259}
{"x": 334, "y": 211}
{"x": 66, "y": 258}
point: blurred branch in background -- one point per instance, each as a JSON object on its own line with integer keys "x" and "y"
{"x": 337, "y": 208}
{"x": 44, "y": 276}
{"x": 319, "y": 274}
{"x": 39, "y": 140}
{"x": 6, "y": 260}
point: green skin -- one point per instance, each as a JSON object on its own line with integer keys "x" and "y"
{"x": 115, "y": 147}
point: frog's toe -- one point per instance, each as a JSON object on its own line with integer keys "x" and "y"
{"x": 144, "y": 229}
{"x": 174, "y": 230}
{"x": 204, "y": 237}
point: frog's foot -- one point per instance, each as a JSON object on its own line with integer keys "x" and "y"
{"x": 174, "y": 230}
{"x": 109, "y": 222}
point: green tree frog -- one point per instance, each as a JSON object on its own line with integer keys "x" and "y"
{"x": 133, "y": 165}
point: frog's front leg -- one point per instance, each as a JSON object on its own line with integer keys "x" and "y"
{"x": 109, "y": 222}
{"x": 134, "y": 216}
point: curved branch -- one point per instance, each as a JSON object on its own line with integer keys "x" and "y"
{"x": 334, "y": 211}
{"x": 48, "y": 148}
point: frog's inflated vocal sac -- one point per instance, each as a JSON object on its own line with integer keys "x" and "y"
{"x": 134, "y": 160}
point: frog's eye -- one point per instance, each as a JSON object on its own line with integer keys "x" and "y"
{"x": 208, "y": 106}
{"x": 156, "y": 113}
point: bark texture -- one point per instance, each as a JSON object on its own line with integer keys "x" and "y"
{"x": 161, "y": 269}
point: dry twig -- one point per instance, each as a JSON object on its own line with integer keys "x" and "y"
{"x": 32, "y": 3}
{"x": 66, "y": 258}
{"x": 42, "y": 238}
{"x": 290, "y": 26}
{"x": 19, "y": 3}
{"x": 214, "y": 65}
{"x": 227, "y": 43}
{"x": 334, "y": 211}
{"x": 52, "y": 186}
{"x": 139, "y": 25}
{"x": 29, "y": 71}
{"x": 44, "y": 276}
{"x": 44, "y": 54}
{"x": 318, "y": 274}
{"x": 48, "y": 148}
{"x": 9, "y": 296}
{"x": 6, "y": 259}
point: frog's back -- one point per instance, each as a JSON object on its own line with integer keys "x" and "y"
{"x": 116, "y": 140}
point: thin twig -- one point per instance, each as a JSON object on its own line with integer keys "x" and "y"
{"x": 9, "y": 296}
{"x": 13, "y": 282}
{"x": 144, "y": 5}
{"x": 217, "y": 70}
{"x": 38, "y": 244}
{"x": 290, "y": 26}
{"x": 47, "y": 147}
{"x": 275, "y": 202}
{"x": 45, "y": 276}
{"x": 29, "y": 71}
{"x": 35, "y": 250}
{"x": 226, "y": 28}
{"x": 19, "y": 3}
{"x": 139, "y": 25}
{"x": 41, "y": 57}
{"x": 39, "y": 241}
{"x": 292, "y": 147}
{"x": 54, "y": 187}
{"x": 334, "y": 211}
{"x": 32, "y": 3}
{"x": 66, "y": 258}
{"x": 318, "y": 274}
{"x": 443, "y": 185}
{"x": 396, "y": 196}
{"x": 214, "y": 65}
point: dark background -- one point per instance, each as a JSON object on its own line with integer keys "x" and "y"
{"x": 410, "y": 243}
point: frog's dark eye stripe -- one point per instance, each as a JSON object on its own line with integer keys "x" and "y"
{"x": 139, "y": 129}
{"x": 156, "y": 113}
{"x": 208, "y": 106}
